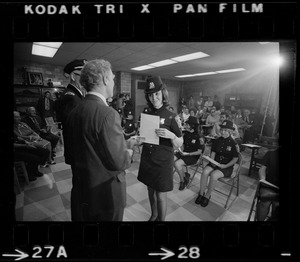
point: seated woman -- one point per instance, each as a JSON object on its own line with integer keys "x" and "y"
{"x": 223, "y": 151}
{"x": 31, "y": 155}
{"x": 24, "y": 132}
{"x": 193, "y": 146}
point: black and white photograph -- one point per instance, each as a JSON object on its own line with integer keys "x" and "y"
{"x": 216, "y": 106}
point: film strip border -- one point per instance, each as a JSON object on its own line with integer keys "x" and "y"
{"x": 159, "y": 21}
{"x": 136, "y": 241}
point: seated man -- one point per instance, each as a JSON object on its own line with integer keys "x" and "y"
{"x": 193, "y": 146}
{"x": 39, "y": 126}
{"x": 269, "y": 195}
{"x": 31, "y": 155}
{"x": 25, "y": 133}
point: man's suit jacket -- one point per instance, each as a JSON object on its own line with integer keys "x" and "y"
{"x": 41, "y": 107}
{"x": 27, "y": 119}
{"x": 98, "y": 157}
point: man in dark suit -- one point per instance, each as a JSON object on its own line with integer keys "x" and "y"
{"x": 38, "y": 125}
{"x": 70, "y": 97}
{"x": 97, "y": 149}
{"x": 45, "y": 106}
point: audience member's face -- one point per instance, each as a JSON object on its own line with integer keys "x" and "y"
{"x": 17, "y": 117}
{"x": 246, "y": 112}
{"x": 222, "y": 118}
{"x": 31, "y": 111}
{"x": 213, "y": 112}
{"x": 156, "y": 99}
{"x": 192, "y": 113}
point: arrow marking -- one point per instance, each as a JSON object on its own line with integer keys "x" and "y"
{"x": 20, "y": 255}
{"x": 167, "y": 253}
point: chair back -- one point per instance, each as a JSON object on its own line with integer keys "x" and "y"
{"x": 50, "y": 121}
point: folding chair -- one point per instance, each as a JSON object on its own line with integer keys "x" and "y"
{"x": 54, "y": 128}
{"x": 195, "y": 167}
{"x": 257, "y": 197}
{"x": 232, "y": 181}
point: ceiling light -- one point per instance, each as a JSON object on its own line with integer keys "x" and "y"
{"x": 264, "y": 43}
{"x": 43, "y": 50}
{"x": 163, "y": 63}
{"x": 49, "y": 44}
{"x": 141, "y": 68}
{"x": 191, "y": 56}
{"x": 230, "y": 70}
{"x": 205, "y": 74}
{"x": 47, "y": 49}
{"x": 183, "y": 76}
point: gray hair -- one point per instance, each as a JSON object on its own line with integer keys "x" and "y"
{"x": 93, "y": 73}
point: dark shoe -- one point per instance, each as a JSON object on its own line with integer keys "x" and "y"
{"x": 199, "y": 199}
{"x": 38, "y": 174}
{"x": 186, "y": 178}
{"x": 31, "y": 178}
{"x": 204, "y": 201}
{"x": 51, "y": 162}
{"x": 43, "y": 166}
{"x": 181, "y": 186}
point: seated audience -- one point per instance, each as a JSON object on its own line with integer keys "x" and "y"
{"x": 39, "y": 126}
{"x": 223, "y": 151}
{"x": 193, "y": 146}
{"x": 185, "y": 114}
{"x": 211, "y": 119}
{"x": 208, "y": 103}
{"x": 268, "y": 195}
{"x": 129, "y": 127}
{"x": 24, "y": 132}
{"x": 31, "y": 155}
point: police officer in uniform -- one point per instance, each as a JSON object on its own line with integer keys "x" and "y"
{"x": 224, "y": 151}
{"x": 71, "y": 96}
{"x": 157, "y": 161}
{"x": 193, "y": 147}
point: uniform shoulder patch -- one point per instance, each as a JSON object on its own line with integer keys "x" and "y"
{"x": 70, "y": 93}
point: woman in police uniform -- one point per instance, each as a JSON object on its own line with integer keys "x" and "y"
{"x": 157, "y": 161}
{"x": 193, "y": 147}
{"x": 224, "y": 151}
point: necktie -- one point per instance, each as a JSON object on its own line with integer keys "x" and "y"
{"x": 36, "y": 122}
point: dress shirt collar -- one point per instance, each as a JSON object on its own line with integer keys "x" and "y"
{"x": 99, "y": 95}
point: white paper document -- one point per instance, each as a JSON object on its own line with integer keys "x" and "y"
{"x": 211, "y": 160}
{"x": 148, "y": 125}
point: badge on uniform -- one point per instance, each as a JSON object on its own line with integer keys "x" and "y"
{"x": 162, "y": 121}
{"x": 228, "y": 148}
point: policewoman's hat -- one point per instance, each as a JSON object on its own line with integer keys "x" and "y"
{"x": 154, "y": 84}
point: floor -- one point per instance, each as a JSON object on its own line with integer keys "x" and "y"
{"x": 48, "y": 198}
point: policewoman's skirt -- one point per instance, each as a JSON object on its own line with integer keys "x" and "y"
{"x": 156, "y": 167}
